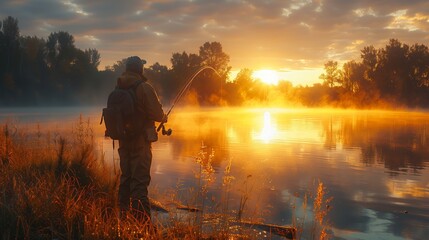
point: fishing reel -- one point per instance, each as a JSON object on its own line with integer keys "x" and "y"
{"x": 166, "y": 132}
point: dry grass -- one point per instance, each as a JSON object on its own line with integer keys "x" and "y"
{"x": 53, "y": 187}
{"x": 321, "y": 208}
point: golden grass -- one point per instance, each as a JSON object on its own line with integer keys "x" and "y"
{"x": 53, "y": 187}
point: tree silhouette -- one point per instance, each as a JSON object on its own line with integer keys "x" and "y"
{"x": 212, "y": 55}
{"x": 61, "y": 52}
{"x": 331, "y": 77}
{"x": 240, "y": 89}
{"x": 369, "y": 61}
{"x": 9, "y": 58}
{"x": 396, "y": 74}
{"x": 209, "y": 85}
{"x": 160, "y": 77}
{"x": 35, "y": 71}
{"x": 10, "y": 34}
{"x": 94, "y": 57}
{"x": 418, "y": 83}
{"x": 183, "y": 66}
{"x": 392, "y": 69}
{"x": 352, "y": 76}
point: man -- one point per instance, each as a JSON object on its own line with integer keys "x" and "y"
{"x": 135, "y": 153}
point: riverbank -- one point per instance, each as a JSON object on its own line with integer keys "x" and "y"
{"x": 55, "y": 186}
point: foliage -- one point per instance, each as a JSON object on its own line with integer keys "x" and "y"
{"x": 332, "y": 75}
{"x": 35, "y": 71}
{"x": 396, "y": 75}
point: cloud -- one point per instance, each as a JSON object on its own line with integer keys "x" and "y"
{"x": 402, "y": 20}
{"x": 254, "y": 33}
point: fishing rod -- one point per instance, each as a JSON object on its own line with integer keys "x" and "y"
{"x": 179, "y": 96}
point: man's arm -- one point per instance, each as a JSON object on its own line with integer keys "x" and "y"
{"x": 153, "y": 106}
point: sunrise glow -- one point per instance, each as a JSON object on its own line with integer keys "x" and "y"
{"x": 270, "y": 77}
{"x": 286, "y": 119}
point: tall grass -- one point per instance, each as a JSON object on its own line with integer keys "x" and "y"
{"x": 321, "y": 208}
{"x": 54, "y": 186}
{"x": 51, "y": 186}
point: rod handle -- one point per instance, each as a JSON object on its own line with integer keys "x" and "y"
{"x": 160, "y": 126}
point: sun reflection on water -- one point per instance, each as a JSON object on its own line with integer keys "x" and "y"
{"x": 268, "y": 131}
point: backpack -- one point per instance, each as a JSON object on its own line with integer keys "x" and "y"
{"x": 121, "y": 117}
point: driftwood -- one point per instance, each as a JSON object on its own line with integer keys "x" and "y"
{"x": 284, "y": 231}
{"x": 158, "y": 206}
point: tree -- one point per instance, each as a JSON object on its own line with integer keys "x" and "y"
{"x": 61, "y": 51}
{"x": 2, "y": 63}
{"x": 392, "y": 69}
{"x": 369, "y": 62}
{"x": 160, "y": 77}
{"x": 184, "y": 65}
{"x": 10, "y": 34}
{"x": 61, "y": 59}
{"x": 32, "y": 69}
{"x": 212, "y": 55}
{"x": 10, "y": 28}
{"x": 118, "y": 67}
{"x": 353, "y": 76}
{"x": 418, "y": 83}
{"x": 94, "y": 57}
{"x": 9, "y": 58}
{"x": 418, "y": 58}
{"x": 244, "y": 82}
{"x": 331, "y": 77}
{"x": 209, "y": 85}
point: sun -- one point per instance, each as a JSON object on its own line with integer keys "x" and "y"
{"x": 269, "y": 77}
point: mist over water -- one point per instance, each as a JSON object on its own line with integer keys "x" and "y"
{"x": 373, "y": 163}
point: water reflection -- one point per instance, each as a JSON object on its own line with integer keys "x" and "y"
{"x": 373, "y": 163}
{"x": 268, "y": 131}
{"x": 398, "y": 141}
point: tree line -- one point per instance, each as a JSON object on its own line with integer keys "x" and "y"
{"x": 35, "y": 71}
{"x": 396, "y": 75}
{"x": 53, "y": 71}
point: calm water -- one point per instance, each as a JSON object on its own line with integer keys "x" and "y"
{"x": 374, "y": 164}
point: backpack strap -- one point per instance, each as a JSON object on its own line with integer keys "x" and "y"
{"x": 133, "y": 91}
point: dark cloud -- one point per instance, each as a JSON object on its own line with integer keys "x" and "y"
{"x": 252, "y": 32}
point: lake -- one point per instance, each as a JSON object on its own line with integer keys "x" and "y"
{"x": 373, "y": 164}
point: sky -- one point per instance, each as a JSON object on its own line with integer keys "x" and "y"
{"x": 293, "y": 37}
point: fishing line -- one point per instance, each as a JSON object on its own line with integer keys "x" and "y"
{"x": 179, "y": 96}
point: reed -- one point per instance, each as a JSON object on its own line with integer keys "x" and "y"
{"x": 321, "y": 207}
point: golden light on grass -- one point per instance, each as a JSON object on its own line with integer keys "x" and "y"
{"x": 269, "y": 77}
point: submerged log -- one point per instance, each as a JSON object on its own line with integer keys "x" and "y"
{"x": 284, "y": 231}
{"x": 187, "y": 208}
{"x": 158, "y": 206}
